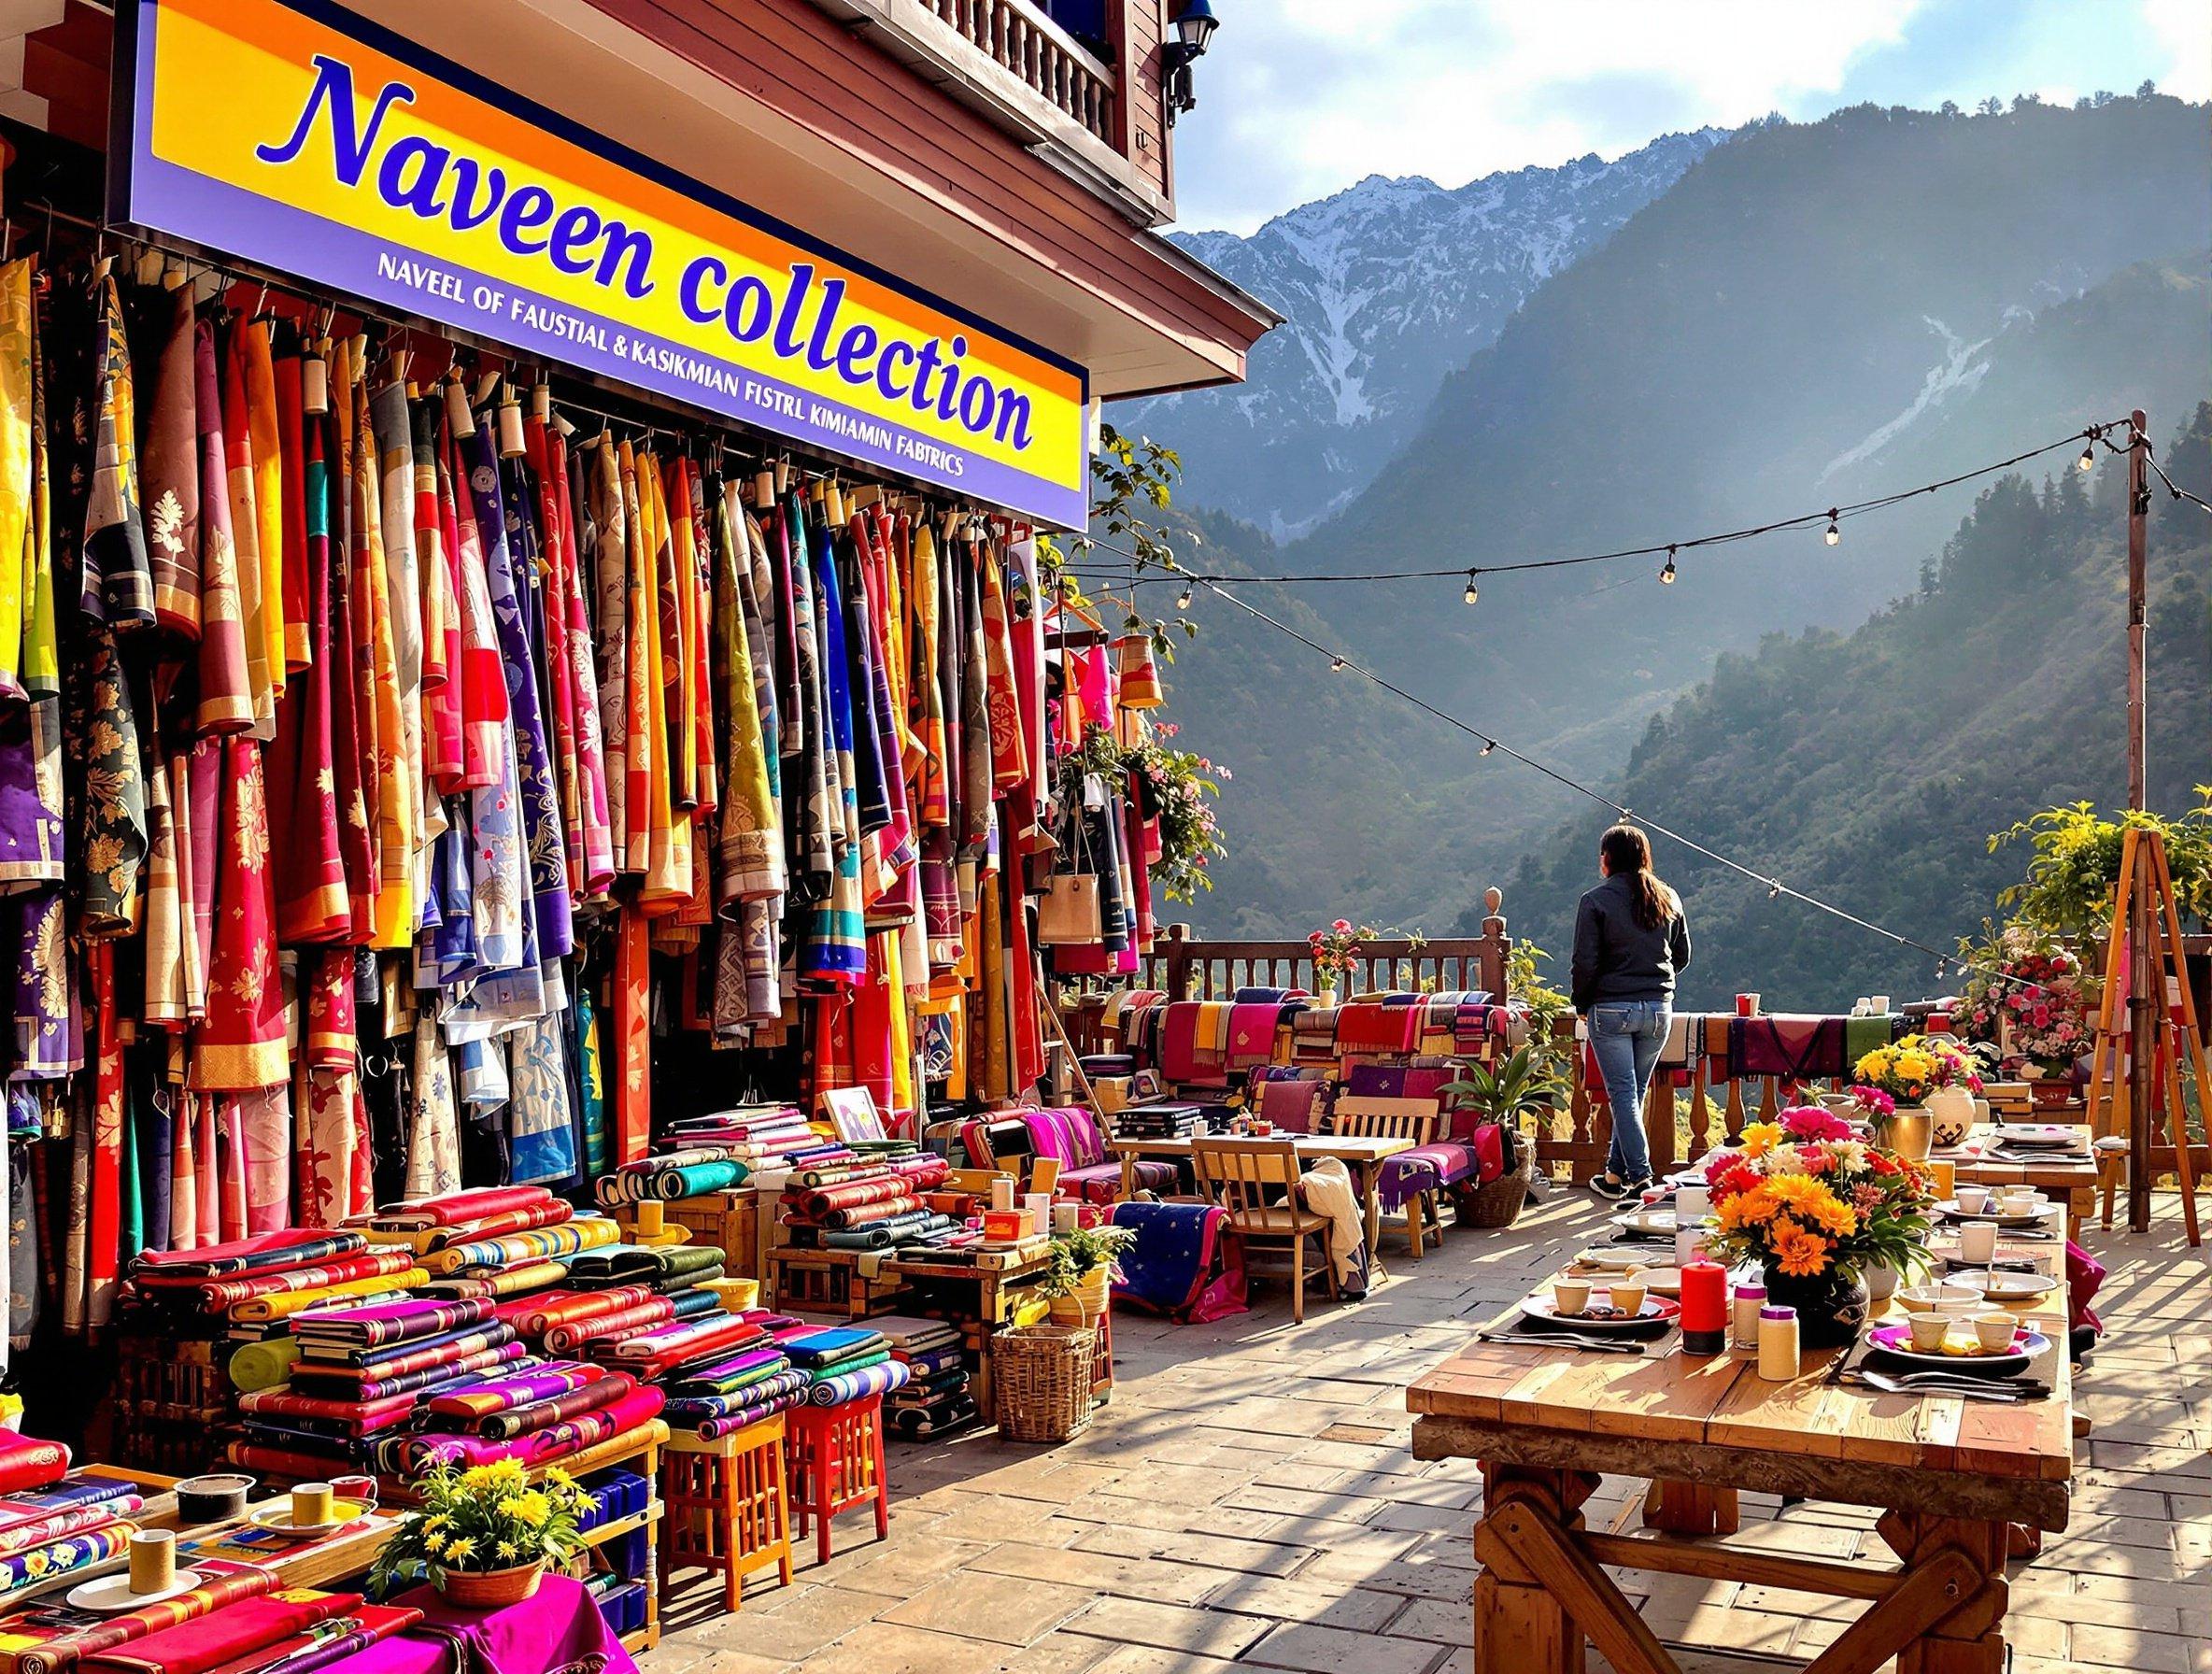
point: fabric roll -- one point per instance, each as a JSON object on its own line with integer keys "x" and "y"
{"x": 217, "y": 1294}
{"x": 834, "y": 1346}
{"x": 392, "y": 1323}
{"x": 569, "y": 1338}
{"x": 838, "y": 1387}
{"x": 686, "y": 1340}
{"x": 727, "y": 1376}
{"x": 215, "y": 1591}
{"x": 502, "y": 1394}
{"x": 505, "y": 1281}
{"x": 584, "y": 1233}
{"x": 465, "y": 1370}
{"x": 460, "y": 1208}
{"x": 59, "y": 1557}
{"x": 57, "y": 1525}
{"x": 262, "y": 1364}
{"x": 558, "y": 1409}
{"x": 27, "y": 1463}
{"x": 421, "y": 1352}
{"x": 692, "y": 1409}
{"x": 408, "y": 1455}
{"x": 537, "y": 1314}
{"x": 385, "y": 1287}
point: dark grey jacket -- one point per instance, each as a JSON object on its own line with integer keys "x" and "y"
{"x": 1616, "y": 957}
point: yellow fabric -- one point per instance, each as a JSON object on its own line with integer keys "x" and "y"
{"x": 268, "y": 496}
{"x": 288, "y": 1304}
{"x": 15, "y": 466}
{"x": 396, "y": 792}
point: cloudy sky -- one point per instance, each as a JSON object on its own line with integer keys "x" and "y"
{"x": 1300, "y": 98}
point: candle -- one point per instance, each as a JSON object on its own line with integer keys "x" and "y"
{"x": 1943, "y": 1176}
{"x": 1744, "y": 1330}
{"x": 1002, "y": 1191}
{"x": 650, "y": 1222}
{"x": 1778, "y": 1344}
{"x": 1705, "y": 1308}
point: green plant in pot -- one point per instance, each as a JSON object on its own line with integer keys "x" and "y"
{"x": 1519, "y": 1088}
{"x": 484, "y": 1536}
{"x": 1080, "y": 1269}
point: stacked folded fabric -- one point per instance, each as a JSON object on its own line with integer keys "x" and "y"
{"x": 663, "y": 1267}
{"x": 1157, "y": 1121}
{"x": 866, "y": 1202}
{"x": 843, "y": 1363}
{"x": 727, "y": 1393}
{"x": 296, "y": 1630}
{"x": 691, "y": 1172}
{"x": 51, "y": 1523}
{"x": 936, "y": 1396}
{"x": 759, "y": 1134}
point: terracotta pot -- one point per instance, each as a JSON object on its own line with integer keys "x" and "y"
{"x": 1083, "y": 1305}
{"x": 492, "y": 1589}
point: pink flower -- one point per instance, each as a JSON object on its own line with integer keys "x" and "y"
{"x": 1342, "y": 925}
{"x": 1815, "y": 1122}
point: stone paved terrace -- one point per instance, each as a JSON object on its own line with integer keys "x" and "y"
{"x": 1248, "y": 1500}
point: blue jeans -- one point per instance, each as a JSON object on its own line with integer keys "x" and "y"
{"x": 1627, "y": 1036}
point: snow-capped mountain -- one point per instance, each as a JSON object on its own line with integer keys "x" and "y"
{"x": 1387, "y": 286}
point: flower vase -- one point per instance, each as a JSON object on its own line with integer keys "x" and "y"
{"x": 1882, "y": 1282}
{"x": 492, "y": 1589}
{"x": 1831, "y": 1306}
{"x": 1908, "y": 1130}
{"x": 1951, "y": 1116}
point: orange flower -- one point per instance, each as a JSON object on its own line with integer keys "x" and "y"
{"x": 1798, "y": 1254}
{"x": 1761, "y": 1137}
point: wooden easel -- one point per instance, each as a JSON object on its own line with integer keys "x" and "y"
{"x": 2143, "y": 867}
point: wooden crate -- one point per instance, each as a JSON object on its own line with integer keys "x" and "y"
{"x": 828, "y": 1282}
{"x": 172, "y": 1396}
{"x": 728, "y": 1221}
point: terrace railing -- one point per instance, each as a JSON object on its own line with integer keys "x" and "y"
{"x": 1040, "y": 55}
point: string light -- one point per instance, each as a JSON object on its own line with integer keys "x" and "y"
{"x": 1183, "y": 598}
{"x": 1489, "y": 744}
{"x": 1666, "y": 574}
{"x": 1473, "y": 593}
{"x": 2087, "y": 461}
{"x": 1338, "y": 665}
{"x": 1833, "y": 533}
{"x": 1773, "y": 889}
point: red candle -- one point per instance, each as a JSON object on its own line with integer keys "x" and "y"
{"x": 1705, "y": 1308}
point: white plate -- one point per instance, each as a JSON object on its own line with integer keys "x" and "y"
{"x": 1663, "y": 1280}
{"x": 1543, "y": 1311}
{"x": 1613, "y": 1258}
{"x": 2001, "y": 1288}
{"x": 111, "y": 1593}
{"x": 2038, "y": 1134}
{"x": 1949, "y": 1210}
{"x": 2027, "y": 1344}
{"x": 276, "y": 1519}
{"x": 1919, "y": 1299}
{"x": 1651, "y": 1222}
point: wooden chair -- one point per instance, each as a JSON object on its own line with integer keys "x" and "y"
{"x": 1245, "y": 1176}
{"x": 1422, "y": 1127}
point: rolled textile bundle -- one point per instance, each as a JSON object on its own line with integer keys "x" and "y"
{"x": 406, "y": 1455}
{"x": 558, "y": 1408}
{"x": 500, "y": 1282}
{"x": 584, "y": 1232}
{"x": 693, "y": 1303}
{"x": 611, "y": 1267}
{"x": 387, "y": 1324}
{"x": 922, "y": 1173}
{"x": 695, "y": 1180}
{"x": 71, "y": 1551}
{"x": 683, "y": 1283}
{"x": 411, "y": 1355}
{"x": 321, "y": 1645}
{"x": 56, "y": 1525}
{"x": 295, "y": 1247}
{"x": 727, "y": 1376}
{"x": 453, "y": 1209}
{"x": 353, "y": 1293}
{"x": 691, "y": 1407}
{"x": 710, "y": 1429}
{"x": 867, "y": 1214}
{"x": 219, "y": 1293}
{"x": 684, "y": 1339}
{"x": 882, "y": 1235}
{"x": 542, "y": 1382}
{"x": 682, "y": 1158}
{"x": 927, "y": 1363}
{"x": 219, "y": 1588}
{"x": 567, "y": 1338}
{"x": 555, "y": 1213}
{"x": 834, "y": 1390}
{"x": 915, "y": 1423}
{"x": 263, "y": 1365}
{"x": 27, "y": 1462}
{"x": 286, "y": 1402}
{"x": 681, "y": 1260}
{"x": 466, "y": 1369}
{"x": 851, "y": 1193}
{"x": 534, "y": 1315}
{"x": 71, "y": 1494}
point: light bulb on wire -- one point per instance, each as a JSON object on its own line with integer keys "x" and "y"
{"x": 1773, "y": 889}
{"x": 1489, "y": 744}
{"x": 2088, "y": 461}
{"x": 1472, "y": 594}
{"x": 1833, "y": 533}
{"x": 1183, "y": 598}
{"x": 1337, "y": 665}
{"x": 1667, "y": 573}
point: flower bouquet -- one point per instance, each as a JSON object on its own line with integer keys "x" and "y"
{"x": 1931, "y": 1081}
{"x": 1817, "y": 1210}
{"x": 484, "y": 1536}
{"x": 1337, "y": 949}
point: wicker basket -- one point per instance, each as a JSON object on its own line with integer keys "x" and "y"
{"x": 1042, "y": 1377}
{"x": 1498, "y": 1202}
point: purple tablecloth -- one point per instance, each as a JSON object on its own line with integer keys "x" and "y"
{"x": 559, "y": 1631}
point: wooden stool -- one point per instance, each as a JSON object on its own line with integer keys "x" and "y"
{"x": 726, "y": 1506}
{"x": 836, "y": 1456}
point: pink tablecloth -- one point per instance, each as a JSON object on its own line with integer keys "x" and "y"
{"x": 559, "y": 1631}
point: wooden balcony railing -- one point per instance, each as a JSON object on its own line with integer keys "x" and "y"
{"x": 1041, "y": 55}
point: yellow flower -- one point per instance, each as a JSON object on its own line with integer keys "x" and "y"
{"x": 558, "y": 1478}
{"x": 537, "y": 1507}
{"x": 459, "y": 1550}
{"x": 438, "y": 1525}
{"x": 1761, "y": 1137}
{"x": 506, "y": 1471}
{"x": 507, "y": 1549}
{"x": 433, "y": 1544}
{"x": 475, "y": 1476}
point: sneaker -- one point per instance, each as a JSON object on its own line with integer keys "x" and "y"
{"x": 1614, "y": 1189}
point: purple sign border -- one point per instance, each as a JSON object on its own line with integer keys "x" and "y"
{"x": 163, "y": 197}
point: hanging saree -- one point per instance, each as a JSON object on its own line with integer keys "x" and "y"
{"x": 836, "y": 943}
{"x": 434, "y": 1128}
{"x": 483, "y": 681}
{"x": 597, "y": 873}
{"x": 112, "y": 820}
{"x": 173, "y": 474}
{"x": 242, "y": 488}
{"x": 289, "y": 373}
{"x": 393, "y": 796}
{"x": 331, "y": 1132}
{"x": 655, "y": 676}
{"x": 610, "y": 546}
{"x": 241, "y": 1045}
{"x": 118, "y": 583}
{"x": 442, "y": 760}
{"x": 511, "y": 568}
{"x": 16, "y": 330}
{"x": 392, "y": 431}
{"x": 226, "y": 695}
{"x": 263, "y": 424}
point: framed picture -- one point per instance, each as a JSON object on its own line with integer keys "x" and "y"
{"x": 853, "y": 1114}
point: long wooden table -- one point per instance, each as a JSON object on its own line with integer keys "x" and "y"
{"x": 1363, "y": 1156}
{"x": 1954, "y": 1478}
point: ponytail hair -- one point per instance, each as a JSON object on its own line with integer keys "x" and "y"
{"x": 1627, "y": 854}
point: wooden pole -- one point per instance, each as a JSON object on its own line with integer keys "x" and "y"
{"x": 2145, "y": 991}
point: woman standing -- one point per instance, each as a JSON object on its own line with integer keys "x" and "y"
{"x": 1630, "y": 940}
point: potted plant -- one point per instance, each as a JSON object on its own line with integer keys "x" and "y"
{"x": 1520, "y": 1087}
{"x": 1081, "y": 1267}
{"x": 1930, "y": 1081}
{"x": 1818, "y": 1210}
{"x": 484, "y": 1536}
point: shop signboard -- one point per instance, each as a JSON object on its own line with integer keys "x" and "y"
{"x": 304, "y": 139}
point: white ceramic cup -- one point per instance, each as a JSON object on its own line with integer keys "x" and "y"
{"x": 1692, "y": 1203}
{"x": 1994, "y": 1331}
{"x": 1570, "y": 1296}
{"x": 1928, "y": 1330}
{"x": 1881, "y": 1005}
{"x": 1977, "y": 1242}
{"x": 1688, "y": 1244}
{"x": 1974, "y": 1199}
{"x": 2022, "y": 1199}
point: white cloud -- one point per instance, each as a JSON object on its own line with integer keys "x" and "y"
{"x": 2183, "y": 31}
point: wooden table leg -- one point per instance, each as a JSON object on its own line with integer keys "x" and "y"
{"x": 1370, "y": 1202}
{"x": 1520, "y": 1626}
{"x": 1971, "y": 1638}
{"x": 1129, "y": 1175}
{"x": 1690, "y": 1509}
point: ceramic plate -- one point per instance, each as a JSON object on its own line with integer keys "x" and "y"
{"x": 276, "y": 1519}
{"x": 2037, "y": 1135}
{"x": 1647, "y": 1223}
{"x": 1611, "y": 1258}
{"x": 112, "y": 1593}
{"x": 1662, "y": 1280}
{"x": 1949, "y": 1210}
{"x": 1543, "y": 1312}
{"x": 1919, "y": 1299}
{"x": 2026, "y": 1345}
{"x": 2004, "y": 1289}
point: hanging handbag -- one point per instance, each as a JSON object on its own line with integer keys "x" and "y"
{"x": 1068, "y": 912}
